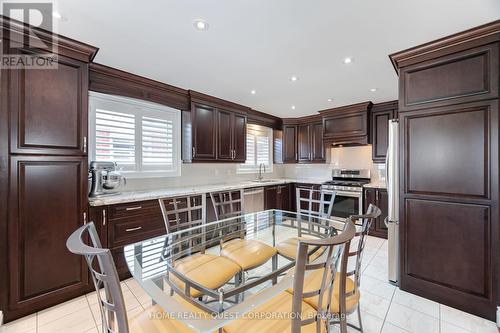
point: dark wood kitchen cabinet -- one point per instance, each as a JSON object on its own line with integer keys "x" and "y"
{"x": 290, "y": 143}
{"x": 43, "y": 174}
{"x": 377, "y": 197}
{"x": 302, "y": 140}
{"x": 449, "y": 175}
{"x": 380, "y": 115}
{"x": 346, "y": 125}
{"x": 231, "y": 136}
{"x": 204, "y": 132}
{"x": 48, "y": 201}
{"x": 49, "y": 109}
{"x": 278, "y": 197}
{"x": 213, "y": 130}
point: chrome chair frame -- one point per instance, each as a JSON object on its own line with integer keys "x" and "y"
{"x": 366, "y": 221}
{"x": 112, "y": 307}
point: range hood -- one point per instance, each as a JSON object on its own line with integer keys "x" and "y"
{"x": 346, "y": 125}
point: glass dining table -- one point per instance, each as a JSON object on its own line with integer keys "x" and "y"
{"x": 152, "y": 265}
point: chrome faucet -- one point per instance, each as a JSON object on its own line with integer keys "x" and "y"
{"x": 262, "y": 165}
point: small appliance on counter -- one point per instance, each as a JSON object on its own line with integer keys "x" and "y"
{"x": 104, "y": 179}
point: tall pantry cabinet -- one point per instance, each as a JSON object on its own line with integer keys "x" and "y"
{"x": 43, "y": 175}
{"x": 449, "y": 164}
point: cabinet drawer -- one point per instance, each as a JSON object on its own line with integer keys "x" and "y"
{"x": 134, "y": 209}
{"x": 128, "y": 231}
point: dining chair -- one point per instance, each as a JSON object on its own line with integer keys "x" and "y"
{"x": 111, "y": 303}
{"x": 288, "y": 311}
{"x": 247, "y": 253}
{"x": 208, "y": 270}
{"x": 310, "y": 203}
{"x": 346, "y": 295}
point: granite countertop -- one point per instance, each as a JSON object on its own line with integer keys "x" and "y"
{"x": 377, "y": 184}
{"x": 134, "y": 196}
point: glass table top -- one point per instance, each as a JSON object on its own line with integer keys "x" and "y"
{"x": 152, "y": 264}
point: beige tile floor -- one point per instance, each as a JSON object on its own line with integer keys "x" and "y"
{"x": 385, "y": 308}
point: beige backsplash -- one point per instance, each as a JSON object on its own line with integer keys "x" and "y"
{"x": 338, "y": 158}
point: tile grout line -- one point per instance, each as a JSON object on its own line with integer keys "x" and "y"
{"x": 90, "y": 309}
{"x": 388, "y": 309}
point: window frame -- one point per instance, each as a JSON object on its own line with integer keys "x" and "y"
{"x": 245, "y": 168}
{"x": 140, "y": 109}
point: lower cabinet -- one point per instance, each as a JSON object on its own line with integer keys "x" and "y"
{"x": 124, "y": 224}
{"x": 48, "y": 201}
{"x": 377, "y": 197}
{"x": 278, "y": 197}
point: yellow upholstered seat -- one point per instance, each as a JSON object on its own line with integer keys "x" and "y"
{"x": 288, "y": 248}
{"x": 313, "y": 282}
{"x": 247, "y": 253}
{"x": 273, "y": 317}
{"x": 208, "y": 270}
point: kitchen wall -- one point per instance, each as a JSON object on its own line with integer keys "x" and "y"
{"x": 340, "y": 158}
{"x": 225, "y": 173}
{"x": 199, "y": 174}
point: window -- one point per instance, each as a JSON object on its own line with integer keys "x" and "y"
{"x": 141, "y": 137}
{"x": 259, "y": 149}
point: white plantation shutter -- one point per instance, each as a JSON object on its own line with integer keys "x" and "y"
{"x": 143, "y": 138}
{"x": 115, "y": 137}
{"x": 157, "y": 142}
{"x": 259, "y": 139}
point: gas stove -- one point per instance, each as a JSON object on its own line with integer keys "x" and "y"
{"x": 347, "y": 180}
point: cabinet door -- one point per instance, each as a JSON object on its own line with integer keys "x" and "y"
{"x": 224, "y": 135}
{"x": 380, "y": 134}
{"x": 284, "y": 196}
{"x": 370, "y": 197}
{"x": 204, "y": 120}
{"x": 289, "y": 143}
{"x": 271, "y": 197}
{"x": 304, "y": 143}
{"x": 240, "y": 138}
{"x": 49, "y": 109}
{"x": 383, "y": 204}
{"x": 48, "y": 201}
{"x": 318, "y": 149}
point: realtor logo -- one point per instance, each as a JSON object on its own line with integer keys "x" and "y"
{"x": 27, "y": 35}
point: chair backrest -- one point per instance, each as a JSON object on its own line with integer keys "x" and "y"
{"x": 315, "y": 202}
{"x": 181, "y": 213}
{"x": 104, "y": 275}
{"x": 359, "y": 243}
{"x": 227, "y": 204}
{"x": 336, "y": 252}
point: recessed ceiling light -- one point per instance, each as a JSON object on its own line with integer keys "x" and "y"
{"x": 57, "y": 15}
{"x": 253, "y": 92}
{"x": 293, "y": 107}
{"x": 200, "y": 25}
{"x": 294, "y": 78}
{"x": 373, "y": 89}
{"x": 330, "y": 100}
{"x": 347, "y": 60}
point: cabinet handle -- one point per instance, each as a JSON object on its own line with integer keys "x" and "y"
{"x": 84, "y": 218}
{"x": 133, "y": 208}
{"x": 194, "y": 151}
{"x": 84, "y": 144}
{"x": 104, "y": 217}
{"x": 133, "y": 229}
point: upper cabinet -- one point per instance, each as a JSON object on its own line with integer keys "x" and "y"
{"x": 301, "y": 141}
{"x": 379, "y": 128}
{"x": 213, "y": 130}
{"x": 347, "y": 125}
{"x": 48, "y": 109}
{"x": 290, "y": 144}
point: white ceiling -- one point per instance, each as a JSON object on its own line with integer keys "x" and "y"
{"x": 260, "y": 44}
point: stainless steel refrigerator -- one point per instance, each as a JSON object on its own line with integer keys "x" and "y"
{"x": 392, "y": 181}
